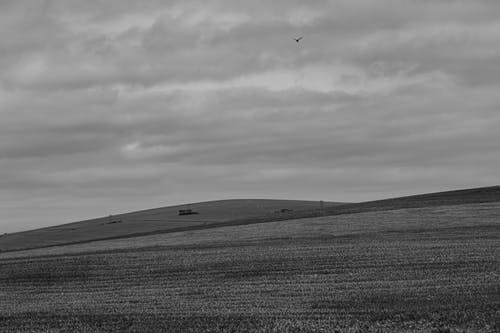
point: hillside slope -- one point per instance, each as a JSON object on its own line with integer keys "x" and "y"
{"x": 225, "y": 213}
{"x": 430, "y": 269}
{"x": 155, "y": 220}
{"x": 457, "y": 197}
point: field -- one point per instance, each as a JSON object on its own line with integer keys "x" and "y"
{"x": 428, "y": 269}
{"x": 225, "y": 213}
{"x": 151, "y": 221}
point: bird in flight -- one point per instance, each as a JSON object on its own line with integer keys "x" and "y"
{"x": 298, "y": 39}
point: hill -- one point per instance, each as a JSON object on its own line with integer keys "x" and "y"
{"x": 425, "y": 269}
{"x": 164, "y": 219}
{"x": 214, "y": 214}
{"x": 457, "y": 197}
{"x": 446, "y": 198}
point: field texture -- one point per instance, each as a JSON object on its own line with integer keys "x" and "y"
{"x": 433, "y": 269}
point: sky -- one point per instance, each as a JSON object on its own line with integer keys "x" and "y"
{"x": 110, "y": 106}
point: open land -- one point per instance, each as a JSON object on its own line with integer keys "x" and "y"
{"x": 404, "y": 268}
{"x": 159, "y": 220}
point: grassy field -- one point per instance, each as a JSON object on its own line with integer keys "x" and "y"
{"x": 164, "y": 219}
{"x": 431, "y": 269}
{"x": 214, "y": 214}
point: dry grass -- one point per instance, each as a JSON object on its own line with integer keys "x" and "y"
{"x": 396, "y": 221}
{"x": 412, "y": 270}
{"x": 153, "y": 221}
{"x": 224, "y": 213}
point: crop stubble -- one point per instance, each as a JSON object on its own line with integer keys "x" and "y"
{"x": 381, "y": 279}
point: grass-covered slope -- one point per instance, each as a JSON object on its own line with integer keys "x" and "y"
{"x": 224, "y": 213}
{"x": 163, "y": 219}
{"x": 429, "y": 269}
{"x": 457, "y": 197}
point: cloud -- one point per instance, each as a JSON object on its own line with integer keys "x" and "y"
{"x": 111, "y": 106}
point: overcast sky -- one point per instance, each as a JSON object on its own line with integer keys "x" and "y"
{"x": 109, "y": 106}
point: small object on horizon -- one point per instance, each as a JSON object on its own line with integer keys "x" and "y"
{"x": 298, "y": 39}
{"x": 187, "y": 211}
{"x": 283, "y": 210}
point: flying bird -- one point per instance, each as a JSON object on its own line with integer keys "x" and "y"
{"x": 298, "y": 39}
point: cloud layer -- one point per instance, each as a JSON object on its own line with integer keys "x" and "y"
{"x": 111, "y": 106}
